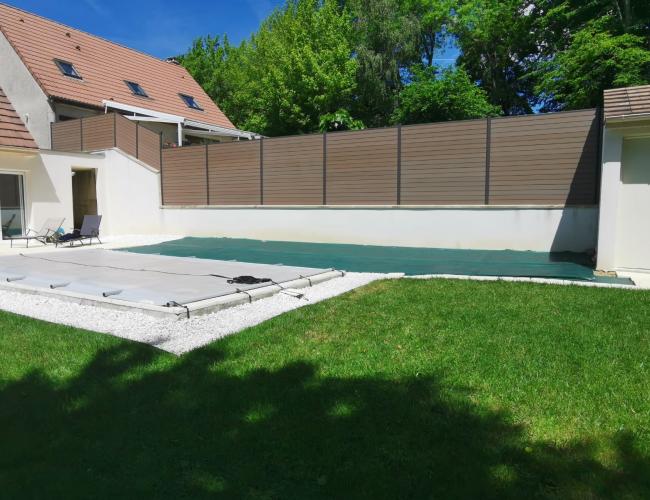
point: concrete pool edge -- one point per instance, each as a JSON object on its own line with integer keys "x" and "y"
{"x": 194, "y": 308}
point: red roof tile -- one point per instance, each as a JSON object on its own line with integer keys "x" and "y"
{"x": 12, "y": 129}
{"x": 104, "y": 66}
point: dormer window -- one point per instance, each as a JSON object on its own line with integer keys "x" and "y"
{"x": 190, "y": 102}
{"x": 67, "y": 69}
{"x": 136, "y": 88}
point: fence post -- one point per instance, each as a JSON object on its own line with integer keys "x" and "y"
{"x": 488, "y": 152}
{"x": 324, "y": 168}
{"x": 261, "y": 170}
{"x": 162, "y": 190}
{"x": 399, "y": 164}
{"x": 52, "y": 136}
{"x": 599, "y": 154}
{"x": 137, "y": 140}
{"x": 207, "y": 175}
{"x": 81, "y": 134}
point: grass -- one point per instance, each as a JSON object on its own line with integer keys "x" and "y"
{"x": 402, "y": 389}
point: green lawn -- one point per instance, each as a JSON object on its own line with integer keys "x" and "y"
{"x": 402, "y": 389}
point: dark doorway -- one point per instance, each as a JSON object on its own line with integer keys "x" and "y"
{"x": 84, "y": 195}
{"x": 12, "y": 208}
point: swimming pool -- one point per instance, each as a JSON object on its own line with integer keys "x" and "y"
{"x": 384, "y": 259}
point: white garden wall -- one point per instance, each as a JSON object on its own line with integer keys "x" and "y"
{"x": 539, "y": 229}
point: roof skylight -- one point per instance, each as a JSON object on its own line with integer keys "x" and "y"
{"x": 67, "y": 69}
{"x": 190, "y": 101}
{"x": 136, "y": 88}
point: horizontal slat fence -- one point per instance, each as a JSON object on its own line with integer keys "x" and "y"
{"x": 361, "y": 167}
{"x": 545, "y": 159}
{"x": 233, "y": 173}
{"x": 550, "y": 159}
{"x": 185, "y": 177}
{"x": 444, "y": 163}
{"x": 106, "y": 131}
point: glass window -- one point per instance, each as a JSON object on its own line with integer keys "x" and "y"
{"x": 190, "y": 101}
{"x": 136, "y": 88}
{"x": 12, "y": 210}
{"x": 67, "y": 69}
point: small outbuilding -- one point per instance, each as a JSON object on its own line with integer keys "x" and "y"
{"x": 624, "y": 227}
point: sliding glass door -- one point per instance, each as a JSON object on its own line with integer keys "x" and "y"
{"x": 12, "y": 207}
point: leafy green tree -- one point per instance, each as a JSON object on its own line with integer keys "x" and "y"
{"x": 498, "y": 46}
{"x": 296, "y": 68}
{"x": 338, "y": 121}
{"x": 435, "y": 96}
{"x": 218, "y": 68}
{"x": 590, "y": 47}
{"x": 433, "y": 19}
{"x": 386, "y": 42}
{"x": 594, "y": 61}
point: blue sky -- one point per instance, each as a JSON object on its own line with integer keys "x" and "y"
{"x": 165, "y": 28}
{"x": 161, "y": 28}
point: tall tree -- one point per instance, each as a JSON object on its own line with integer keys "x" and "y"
{"x": 594, "y": 61}
{"x": 497, "y": 47}
{"x": 434, "y": 96}
{"x": 296, "y": 68}
{"x": 433, "y": 18}
{"x": 589, "y": 46}
{"x": 386, "y": 43}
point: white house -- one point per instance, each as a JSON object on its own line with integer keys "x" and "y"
{"x": 50, "y": 73}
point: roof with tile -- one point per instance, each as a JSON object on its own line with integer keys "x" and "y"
{"x": 12, "y": 129}
{"x": 104, "y": 67}
{"x": 627, "y": 101}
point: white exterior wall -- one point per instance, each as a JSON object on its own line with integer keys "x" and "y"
{"x": 539, "y": 229}
{"x": 47, "y": 182}
{"x": 28, "y": 99}
{"x": 609, "y": 194}
{"x": 128, "y": 195}
{"x": 624, "y": 221}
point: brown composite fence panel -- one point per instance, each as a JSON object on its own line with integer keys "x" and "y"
{"x": 148, "y": 147}
{"x": 544, "y": 159}
{"x": 184, "y": 179}
{"x": 234, "y": 173}
{"x": 125, "y": 135}
{"x": 550, "y": 159}
{"x": 66, "y": 136}
{"x": 293, "y": 170}
{"x": 98, "y": 132}
{"x": 362, "y": 167}
{"x": 444, "y": 163}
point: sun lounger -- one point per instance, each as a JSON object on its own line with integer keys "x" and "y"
{"x": 89, "y": 231}
{"x": 43, "y": 236}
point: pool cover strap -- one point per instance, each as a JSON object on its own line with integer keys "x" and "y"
{"x": 248, "y": 280}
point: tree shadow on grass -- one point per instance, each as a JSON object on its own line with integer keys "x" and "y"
{"x": 190, "y": 429}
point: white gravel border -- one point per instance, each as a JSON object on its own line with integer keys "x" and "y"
{"x": 182, "y": 335}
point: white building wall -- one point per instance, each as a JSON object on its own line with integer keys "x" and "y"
{"x": 624, "y": 219}
{"x": 47, "y": 182}
{"x": 28, "y": 99}
{"x": 609, "y": 195}
{"x": 632, "y": 242}
{"x": 128, "y": 196}
{"x": 539, "y": 229}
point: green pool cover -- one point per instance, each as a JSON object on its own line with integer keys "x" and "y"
{"x": 381, "y": 259}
